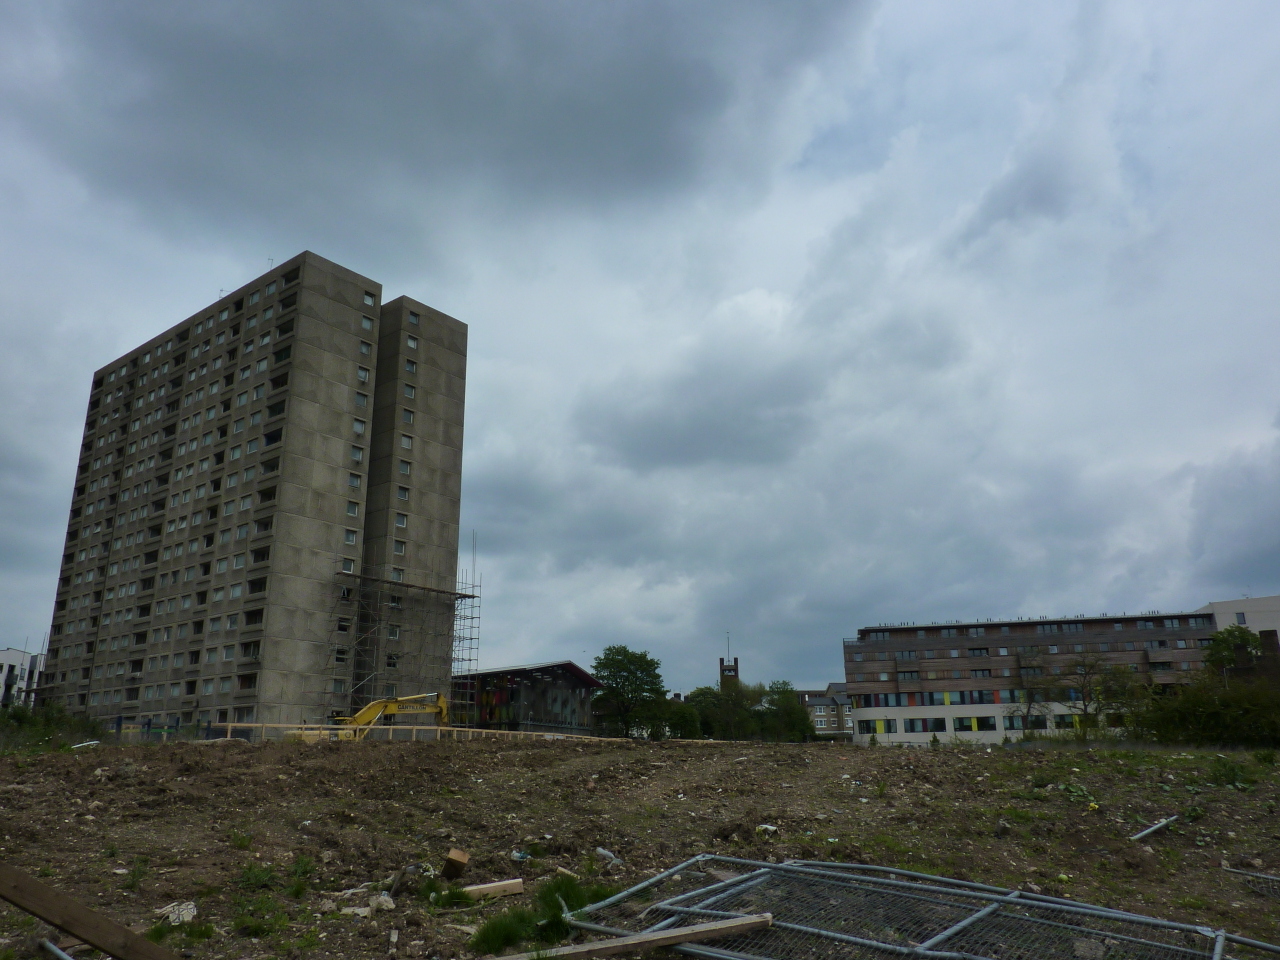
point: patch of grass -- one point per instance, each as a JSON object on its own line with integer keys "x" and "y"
{"x": 1193, "y": 903}
{"x": 443, "y": 895}
{"x": 257, "y": 877}
{"x": 573, "y": 894}
{"x": 1265, "y": 757}
{"x": 241, "y": 841}
{"x": 507, "y": 929}
{"x": 137, "y": 873}
{"x": 1229, "y": 773}
{"x": 259, "y": 916}
{"x": 300, "y": 877}
{"x": 44, "y": 872}
{"x": 111, "y": 852}
{"x": 1031, "y": 795}
{"x": 891, "y": 843}
{"x": 191, "y": 933}
{"x": 46, "y": 729}
{"x": 545, "y": 922}
{"x": 196, "y": 932}
{"x": 307, "y": 942}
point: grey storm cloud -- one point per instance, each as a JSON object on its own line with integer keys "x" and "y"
{"x": 219, "y": 114}
{"x": 786, "y": 318}
{"x": 721, "y": 408}
{"x": 1235, "y": 531}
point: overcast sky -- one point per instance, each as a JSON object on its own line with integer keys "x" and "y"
{"x": 786, "y": 318}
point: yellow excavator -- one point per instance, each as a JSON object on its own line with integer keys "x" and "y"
{"x": 357, "y": 727}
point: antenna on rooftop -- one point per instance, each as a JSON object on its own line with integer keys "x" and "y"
{"x": 271, "y": 262}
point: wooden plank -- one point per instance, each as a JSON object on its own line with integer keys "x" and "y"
{"x": 500, "y": 888}
{"x": 649, "y": 941}
{"x": 54, "y": 907}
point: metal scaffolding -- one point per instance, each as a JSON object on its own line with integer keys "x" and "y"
{"x": 466, "y": 650}
{"x": 390, "y": 638}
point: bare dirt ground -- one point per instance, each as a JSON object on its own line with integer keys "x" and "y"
{"x": 130, "y": 829}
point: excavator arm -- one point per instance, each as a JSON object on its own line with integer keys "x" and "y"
{"x": 357, "y": 726}
{"x": 370, "y": 713}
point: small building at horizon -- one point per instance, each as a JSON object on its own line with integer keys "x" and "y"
{"x": 552, "y": 697}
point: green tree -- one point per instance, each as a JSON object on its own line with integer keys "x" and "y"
{"x": 633, "y": 694}
{"x": 783, "y": 716}
{"x": 1093, "y": 688}
{"x": 727, "y": 713}
{"x": 1225, "y": 644}
{"x": 1206, "y": 712}
{"x": 683, "y": 721}
{"x": 1031, "y": 700}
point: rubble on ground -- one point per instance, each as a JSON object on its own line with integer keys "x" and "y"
{"x": 264, "y": 840}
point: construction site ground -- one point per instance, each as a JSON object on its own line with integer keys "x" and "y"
{"x": 233, "y": 827}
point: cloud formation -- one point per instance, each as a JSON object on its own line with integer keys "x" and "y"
{"x": 786, "y": 318}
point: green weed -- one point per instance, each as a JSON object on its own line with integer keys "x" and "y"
{"x": 545, "y": 922}
{"x": 1229, "y": 773}
{"x": 190, "y": 933}
{"x": 133, "y": 879}
{"x": 574, "y": 895}
{"x": 443, "y": 895}
{"x": 300, "y": 877}
{"x": 507, "y": 929}
{"x": 241, "y": 841}
{"x": 196, "y": 932}
{"x": 1265, "y": 757}
{"x": 260, "y": 916}
{"x": 257, "y": 877}
{"x": 308, "y": 941}
{"x": 892, "y": 844}
{"x": 111, "y": 852}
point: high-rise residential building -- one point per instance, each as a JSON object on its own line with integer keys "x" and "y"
{"x": 264, "y": 526}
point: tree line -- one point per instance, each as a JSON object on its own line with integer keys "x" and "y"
{"x": 634, "y": 702}
{"x": 1231, "y": 703}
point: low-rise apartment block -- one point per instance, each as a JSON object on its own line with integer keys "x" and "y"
{"x": 977, "y": 680}
{"x": 830, "y": 710}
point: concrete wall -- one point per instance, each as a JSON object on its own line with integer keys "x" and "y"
{"x": 191, "y": 517}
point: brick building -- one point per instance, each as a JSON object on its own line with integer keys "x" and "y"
{"x": 908, "y": 683}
